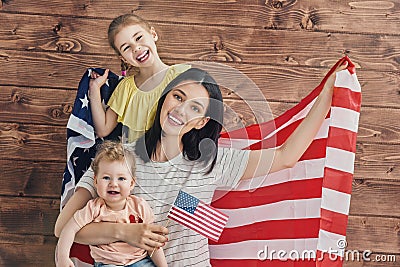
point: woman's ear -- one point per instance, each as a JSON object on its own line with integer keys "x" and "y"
{"x": 202, "y": 122}
{"x": 154, "y": 34}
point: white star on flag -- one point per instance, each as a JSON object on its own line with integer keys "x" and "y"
{"x": 85, "y": 101}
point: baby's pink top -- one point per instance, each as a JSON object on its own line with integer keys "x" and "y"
{"x": 119, "y": 253}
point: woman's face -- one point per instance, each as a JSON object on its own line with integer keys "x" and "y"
{"x": 184, "y": 108}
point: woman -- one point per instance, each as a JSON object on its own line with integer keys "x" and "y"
{"x": 180, "y": 151}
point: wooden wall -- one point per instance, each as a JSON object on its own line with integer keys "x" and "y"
{"x": 284, "y": 46}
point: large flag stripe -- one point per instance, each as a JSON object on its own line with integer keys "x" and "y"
{"x": 335, "y": 201}
{"x": 282, "y": 210}
{"x": 271, "y": 194}
{"x": 347, "y": 139}
{"x": 282, "y": 229}
{"x": 315, "y": 169}
{"x": 339, "y": 225}
{"x": 338, "y": 180}
{"x": 339, "y": 159}
{"x": 346, "y": 98}
{"x": 344, "y": 118}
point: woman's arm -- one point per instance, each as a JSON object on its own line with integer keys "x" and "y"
{"x": 264, "y": 161}
{"x": 104, "y": 121}
{"x": 146, "y": 236}
{"x": 65, "y": 243}
{"x": 158, "y": 257}
{"x": 77, "y": 201}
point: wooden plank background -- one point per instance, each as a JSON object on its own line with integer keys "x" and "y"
{"x": 45, "y": 47}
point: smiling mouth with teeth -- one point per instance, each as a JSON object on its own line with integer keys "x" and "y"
{"x": 143, "y": 56}
{"x": 113, "y": 192}
{"x": 175, "y": 120}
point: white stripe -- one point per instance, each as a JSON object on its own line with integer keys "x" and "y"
{"x": 298, "y": 116}
{"x": 283, "y": 210}
{"x": 335, "y": 201}
{"x": 347, "y": 80}
{"x": 195, "y": 226}
{"x": 328, "y": 243}
{"x": 243, "y": 143}
{"x": 192, "y": 219}
{"x": 251, "y": 249}
{"x": 218, "y": 215}
{"x": 306, "y": 169}
{"x": 345, "y": 118}
{"x": 339, "y": 159}
{"x": 80, "y": 126}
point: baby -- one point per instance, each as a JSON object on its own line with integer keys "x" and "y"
{"x": 114, "y": 181}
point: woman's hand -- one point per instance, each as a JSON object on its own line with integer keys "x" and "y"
{"x": 330, "y": 82}
{"x": 145, "y": 236}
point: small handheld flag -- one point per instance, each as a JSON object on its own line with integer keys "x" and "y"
{"x": 198, "y": 216}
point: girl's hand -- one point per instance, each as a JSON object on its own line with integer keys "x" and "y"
{"x": 96, "y": 82}
{"x": 145, "y": 236}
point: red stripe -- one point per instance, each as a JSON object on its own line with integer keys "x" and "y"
{"x": 81, "y": 252}
{"x": 300, "y": 189}
{"x": 338, "y": 180}
{"x": 333, "y": 222}
{"x": 345, "y": 98}
{"x": 183, "y": 220}
{"x": 342, "y": 139}
{"x": 269, "y": 230}
{"x": 265, "y": 263}
{"x": 326, "y": 260}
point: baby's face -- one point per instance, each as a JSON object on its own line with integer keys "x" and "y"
{"x": 113, "y": 181}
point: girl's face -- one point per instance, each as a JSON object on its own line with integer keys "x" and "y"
{"x": 137, "y": 45}
{"x": 114, "y": 183}
{"x": 184, "y": 108}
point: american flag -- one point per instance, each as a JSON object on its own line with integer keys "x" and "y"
{"x": 81, "y": 146}
{"x": 198, "y": 216}
{"x": 81, "y": 138}
{"x": 303, "y": 210}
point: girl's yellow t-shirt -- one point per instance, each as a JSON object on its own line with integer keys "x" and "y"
{"x": 136, "y": 109}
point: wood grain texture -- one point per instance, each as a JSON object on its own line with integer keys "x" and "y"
{"x": 62, "y": 70}
{"x": 280, "y": 49}
{"x": 216, "y": 43}
{"x": 345, "y": 16}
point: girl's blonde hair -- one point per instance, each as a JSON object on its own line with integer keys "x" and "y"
{"x": 113, "y": 151}
{"x": 121, "y": 22}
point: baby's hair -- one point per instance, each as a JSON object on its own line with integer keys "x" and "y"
{"x": 113, "y": 151}
{"x": 122, "y": 21}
